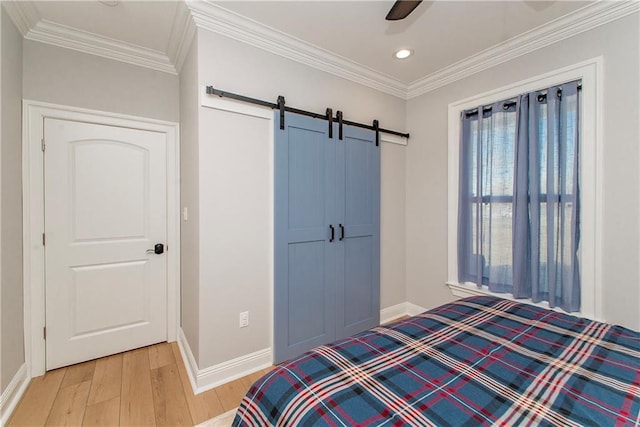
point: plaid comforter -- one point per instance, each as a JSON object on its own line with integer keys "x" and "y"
{"x": 476, "y": 361}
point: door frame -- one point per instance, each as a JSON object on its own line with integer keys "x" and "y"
{"x": 34, "y": 114}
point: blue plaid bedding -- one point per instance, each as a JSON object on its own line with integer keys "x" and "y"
{"x": 476, "y": 361}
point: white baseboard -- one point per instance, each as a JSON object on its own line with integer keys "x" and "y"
{"x": 395, "y": 311}
{"x": 389, "y": 314}
{"x": 413, "y": 309}
{"x": 213, "y": 376}
{"x": 187, "y": 358}
{"x": 13, "y": 393}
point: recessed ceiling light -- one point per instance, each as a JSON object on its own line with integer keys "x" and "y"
{"x": 109, "y": 2}
{"x": 403, "y": 53}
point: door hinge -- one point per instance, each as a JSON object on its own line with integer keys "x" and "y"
{"x": 44, "y": 332}
{"x": 43, "y": 239}
{"x": 42, "y": 144}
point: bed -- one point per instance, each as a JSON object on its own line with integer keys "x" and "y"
{"x": 476, "y": 361}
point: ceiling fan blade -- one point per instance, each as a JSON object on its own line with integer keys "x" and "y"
{"x": 401, "y": 9}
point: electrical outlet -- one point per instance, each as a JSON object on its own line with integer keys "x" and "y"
{"x": 244, "y": 319}
{"x": 185, "y": 214}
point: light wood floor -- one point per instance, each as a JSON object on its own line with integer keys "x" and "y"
{"x": 143, "y": 387}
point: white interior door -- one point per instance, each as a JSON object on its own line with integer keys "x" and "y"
{"x": 105, "y": 207}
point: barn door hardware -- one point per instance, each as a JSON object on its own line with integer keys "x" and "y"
{"x": 282, "y": 110}
{"x": 339, "y": 118}
{"x": 376, "y": 127}
{"x": 280, "y": 105}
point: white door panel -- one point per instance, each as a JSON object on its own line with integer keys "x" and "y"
{"x": 122, "y": 213}
{"x": 105, "y": 206}
{"x": 98, "y": 288}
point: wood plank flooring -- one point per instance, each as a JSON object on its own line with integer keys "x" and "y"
{"x": 144, "y": 387}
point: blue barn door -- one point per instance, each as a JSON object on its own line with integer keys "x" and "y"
{"x": 327, "y": 244}
{"x": 304, "y": 302}
{"x": 358, "y": 210}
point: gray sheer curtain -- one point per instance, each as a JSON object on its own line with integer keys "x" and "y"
{"x": 486, "y": 193}
{"x": 519, "y": 213}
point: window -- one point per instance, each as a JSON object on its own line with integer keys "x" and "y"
{"x": 519, "y": 221}
{"x": 487, "y": 255}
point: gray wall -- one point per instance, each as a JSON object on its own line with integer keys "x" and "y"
{"x": 12, "y": 353}
{"x": 63, "y": 76}
{"x": 414, "y": 178}
{"x": 236, "y": 212}
{"x": 618, "y": 43}
{"x": 237, "y": 67}
{"x": 189, "y": 197}
{"x": 46, "y": 73}
{"x": 392, "y": 220}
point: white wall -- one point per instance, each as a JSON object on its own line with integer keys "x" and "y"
{"x": 12, "y": 346}
{"x": 426, "y": 176}
{"x": 225, "y": 289}
{"x": 63, "y": 76}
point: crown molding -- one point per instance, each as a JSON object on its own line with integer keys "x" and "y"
{"x": 584, "y": 19}
{"x": 83, "y": 41}
{"x": 26, "y": 18}
{"x": 23, "y": 14}
{"x": 182, "y": 34}
{"x": 219, "y": 20}
{"x": 211, "y": 17}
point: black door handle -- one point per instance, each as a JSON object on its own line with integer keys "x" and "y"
{"x": 333, "y": 233}
{"x": 157, "y": 249}
{"x": 341, "y": 231}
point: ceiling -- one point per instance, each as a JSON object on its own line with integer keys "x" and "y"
{"x": 439, "y": 32}
{"x": 146, "y": 24}
{"x": 347, "y": 38}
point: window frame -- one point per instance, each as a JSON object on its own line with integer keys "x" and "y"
{"x": 590, "y": 256}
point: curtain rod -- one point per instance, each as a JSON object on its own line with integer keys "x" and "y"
{"x": 508, "y": 104}
{"x": 280, "y": 105}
